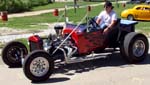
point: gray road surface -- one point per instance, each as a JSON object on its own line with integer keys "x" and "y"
{"x": 109, "y": 71}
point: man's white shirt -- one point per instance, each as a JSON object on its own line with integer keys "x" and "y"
{"x": 107, "y": 18}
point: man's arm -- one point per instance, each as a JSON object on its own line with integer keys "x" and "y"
{"x": 106, "y": 30}
{"x": 98, "y": 20}
{"x": 99, "y": 17}
{"x": 113, "y": 22}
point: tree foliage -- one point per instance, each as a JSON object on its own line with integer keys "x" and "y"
{"x": 20, "y": 5}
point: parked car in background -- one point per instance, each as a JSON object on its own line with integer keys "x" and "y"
{"x": 136, "y": 1}
{"x": 147, "y": 1}
{"x": 138, "y": 12}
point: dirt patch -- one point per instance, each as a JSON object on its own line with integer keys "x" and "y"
{"x": 9, "y": 31}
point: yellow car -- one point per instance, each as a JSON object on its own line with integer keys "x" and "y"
{"x": 138, "y": 12}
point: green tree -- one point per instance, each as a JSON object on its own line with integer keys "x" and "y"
{"x": 2, "y": 5}
{"x": 20, "y": 5}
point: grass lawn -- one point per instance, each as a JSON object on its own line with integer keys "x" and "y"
{"x": 60, "y": 5}
{"x": 36, "y": 22}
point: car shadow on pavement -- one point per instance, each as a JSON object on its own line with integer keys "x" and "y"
{"x": 53, "y": 80}
{"x": 111, "y": 60}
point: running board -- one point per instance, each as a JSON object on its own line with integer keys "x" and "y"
{"x": 86, "y": 58}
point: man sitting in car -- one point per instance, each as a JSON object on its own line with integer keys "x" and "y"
{"x": 107, "y": 18}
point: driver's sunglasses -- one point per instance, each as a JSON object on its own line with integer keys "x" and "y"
{"x": 106, "y": 7}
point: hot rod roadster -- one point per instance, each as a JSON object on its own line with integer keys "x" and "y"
{"x": 75, "y": 43}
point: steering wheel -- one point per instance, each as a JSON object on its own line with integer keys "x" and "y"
{"x": 92, "y": 25}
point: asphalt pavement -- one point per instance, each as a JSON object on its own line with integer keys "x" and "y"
{"x": 112, "y": 70}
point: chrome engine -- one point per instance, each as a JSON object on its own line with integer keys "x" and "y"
{"x": 60, "y": 46}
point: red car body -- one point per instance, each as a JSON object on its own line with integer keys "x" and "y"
{"x": 86, "y": 41}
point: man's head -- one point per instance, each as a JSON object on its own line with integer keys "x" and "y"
{"x": 108, "y": 6}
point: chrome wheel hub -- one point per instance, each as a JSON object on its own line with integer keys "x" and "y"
{"x": 14, "y": 54}
{"x": 39, "y": 66}
{"x": 138, "y": 48}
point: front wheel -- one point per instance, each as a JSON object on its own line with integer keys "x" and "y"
{"x": 38, "y": 66}
{"x": 130, "y": 17}
{"x": 135, "y": 47}
{"x": 13, "y": 52}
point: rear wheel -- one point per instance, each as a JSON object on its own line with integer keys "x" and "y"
{"x": 13, "y": 52}
{"x": 135, "y": 47}
{"x": 38, "y": 66}
{"x": 130, "y": 17}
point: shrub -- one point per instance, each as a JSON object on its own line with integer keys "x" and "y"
{"x": 2, "y": 5}
{"x": 19, "y": 6}
{"x": 14, "y": 5}
{"x": 27, "y": 4}
{"x": 39, "y": 2}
